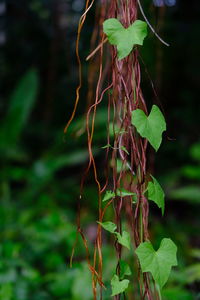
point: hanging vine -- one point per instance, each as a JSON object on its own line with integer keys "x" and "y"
{"x": 118, "y": 35}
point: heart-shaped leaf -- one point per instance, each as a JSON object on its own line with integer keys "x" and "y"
{"x": 158, "y": 262}
{"x": 109, "y": 226}
{"x": 150, "y": 127}
{"x": 124, "y": 38}
{"x": 156, "y": 194}
{"x": 124, "y": 269}
{"x": 124, "y": 239}
{"x": 118, "y": 286}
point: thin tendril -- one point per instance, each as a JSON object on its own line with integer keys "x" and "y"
{"x": 150, "y": 26}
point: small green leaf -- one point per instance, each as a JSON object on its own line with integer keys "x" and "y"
{"x": 115, "y": 130}
{"x": 108, "y": 195}
{"x": 159, "y": 262}
{"x": 118, "y": 286}
{"x": 124, "y": 269}
{"x": 119, "y": 165}
{"x": 124, "y": 149}
{"x": 125, "y": 38}
{"x": 119, "y": 192}
{"x": 150, "y": 127}
{"x": 106, "y": 146}
{"x": 123, "y": 193}
{"x": 134, "y": 198}
{"x": 109, "y": 226}
{"x": 124, "y": 239}
{"x": 156, "y": 194}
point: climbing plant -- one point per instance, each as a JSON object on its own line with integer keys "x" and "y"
{"x": 128, "y": 185}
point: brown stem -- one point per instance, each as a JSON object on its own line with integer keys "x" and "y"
{"x": 97, "y": 49}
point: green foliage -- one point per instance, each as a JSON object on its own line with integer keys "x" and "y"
{"x": 82, "y": 282}
{"x": 156, "y": 194}
{"x": 195, "y": 151}
{"x": 124, "y": 149}
{"x": 124, "y": 269}
{"x": 40, "y": 176}
{"x": 159, "y": 262}
{"x": 114, "y": 130}
{"x": 21, "y": 104}
{"x": 109, "y": 226}
{"x": 191, "y": 171}
{"x": 192, "y": 273}
{"x": 134, "y": 199}
{"x": 119, "y": 192}
{"x": 189, "y": 193}
{"x": 118, "y": 286}
{"x": 150, "y": 127}
{"x": 177, "y": 293}
{"x": 6, "y": 291}
{"x": 108, "y": 195}
{"x": 121, "y": 166}
{"x": 124, "y": 38}
{"x": 124, "y": 239}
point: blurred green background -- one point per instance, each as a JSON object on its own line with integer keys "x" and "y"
{"x": 41, "y": 168}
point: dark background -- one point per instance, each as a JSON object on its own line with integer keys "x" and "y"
{"x": 41, "y": 168}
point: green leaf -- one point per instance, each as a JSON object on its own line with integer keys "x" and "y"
{"x": 124, "y": 149}
{"x": 190, "y": 193}
{"x": 134, "y": 198}
{"x": 177, "y": 293}
{"x": 106, "y": 146}
{"x": 125, "y": 38}
{"x": 156, "y": 194}
{"x": 108, "y": 195}
{"x": 120, "y": 193}
{"x": 77, "y": 283}
{"x": 109, "y": 226}
{"x": 119, "y": 165}
{"x": 115, "y": 130}
{"x": 124, "y": 239}
{"x": 191, "y": 171}
{"x": 192, "y": 273}
{"x": 150, "y": 127}
{"x": 45, "y": 168}
{"x": 123, "y": 193}
{"x": 124, "y": 269}
{"x": 195, "y": 151}
{"x": 195, "y": 253}
{"x": 6, "y": 291}
{"x": 118, "y": 286}
{"x": 159, "y": 262}
{"x": 21, "y": 104}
